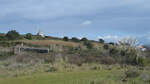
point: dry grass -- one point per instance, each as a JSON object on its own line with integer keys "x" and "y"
{"x": 97, "y": 44}
{"x": 50, "y": 42}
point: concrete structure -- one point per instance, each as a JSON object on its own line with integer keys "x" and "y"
{"x": 19, "y": 49}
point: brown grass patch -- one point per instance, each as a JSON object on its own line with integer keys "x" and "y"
{"x": 50, "y": 42}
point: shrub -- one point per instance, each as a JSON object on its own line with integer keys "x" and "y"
{"x": 51, "y": 69}
{"x": 2, "y": 38}
{"x": 108, "y": 60}
{"x": 88, "y": 44}
{"x": 6, "y": 54}
{"x": 49, "y": 59}
{"x": 21, "y": 37}
{"x": 74, "y": 39}
{"x": 12, "y": 35}
{"x": 131, "y": 56}
{"x": 101, "y": 41}
{"x": 84, "y": 39}
{"x": 106, "y": 46}
{"x": 66, "y": 38}
{"x": 145, "y": 76}
{"x": 39, "y": 37}
{"x": 92, "y": 82}
{"x": 132, "y": 73}
{"x": 142, "y": 61}
{"x": 113, "y": 51}
{"x": 122, "y": 53}
{"x": 112, "y": 43}
{"x": 29, "y": 36}
{"x": 76, "y": 59}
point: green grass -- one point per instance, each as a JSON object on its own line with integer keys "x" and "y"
{"x": 98, "y": 77}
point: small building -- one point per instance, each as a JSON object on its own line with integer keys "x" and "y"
{"x": 40, "y": 33}
{"x": 142, "y": 48}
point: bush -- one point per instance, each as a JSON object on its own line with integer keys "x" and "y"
{"x": 12, "y": 35}
{"x": 74, "y": 39}
{"x": 6, "y": 54}
{"x": 101, "y": 41}
{"x": 76, "y": 59}
{"x": 37, "y": 37}
{"x": 88, "y": 44}
{"x": 131, "y": 56}
{"x": 142, "y": 61}
{"x": 51, "y": 69}
{"x": 132, "y": 73}
{"x": 113, "y": 51}
{"x": 122, "y": 53}
{"x": 84, "y": 39}
{"x": 66, "y": 38}
{"x": 112, "y": 43}
{"x": 2, "y": 38}
{"x": 108, "y": 60}
{"x": 106, "y": 46}
{"x": 29, "y": 36}
{"x": 49, "y": 59}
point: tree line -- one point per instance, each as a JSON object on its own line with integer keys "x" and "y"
{"x": 14, "y": 35}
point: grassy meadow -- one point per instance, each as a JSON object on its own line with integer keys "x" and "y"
{"x": 103, "y": 76}
{"x": 90, "y": 77}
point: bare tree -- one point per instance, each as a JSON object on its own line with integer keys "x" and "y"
{"x": 129, "y": 41}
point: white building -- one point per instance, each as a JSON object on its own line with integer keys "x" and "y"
{"x": 142, "y": 48}
{"x": 40, "y": 33}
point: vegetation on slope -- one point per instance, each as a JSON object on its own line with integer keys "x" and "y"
{"x": 73, "y": 61}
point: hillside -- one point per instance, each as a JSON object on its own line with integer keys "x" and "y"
{"x": 70, "y": 59}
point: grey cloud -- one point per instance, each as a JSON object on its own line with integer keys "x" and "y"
{"x": 37, "y": 9}
{"x": 65, "y": 16}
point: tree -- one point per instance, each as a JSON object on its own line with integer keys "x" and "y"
{"x": 74, "y": 39}
{"x": 129, "y": 41}
{"x": 111, "y": 43}
{"x": 29, "y": 36}
{"x": 66, "y": 38}
{"x": 84, "y": 39}
{"x": 12, "y": 35}
{"x": 101, "y": 41}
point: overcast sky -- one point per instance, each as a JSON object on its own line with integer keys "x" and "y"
{"x": 108, "y": 19}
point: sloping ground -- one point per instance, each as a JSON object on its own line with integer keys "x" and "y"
{"x": 56, "y": 42}
{"x": 88, "y": 77}
{"x": 50, "y": 42}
